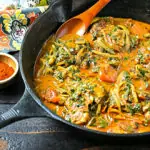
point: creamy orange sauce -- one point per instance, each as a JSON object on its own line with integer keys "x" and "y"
{"x": 127, "y": 63}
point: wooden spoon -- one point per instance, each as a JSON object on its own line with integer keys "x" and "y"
{"x": 79, "y": 24}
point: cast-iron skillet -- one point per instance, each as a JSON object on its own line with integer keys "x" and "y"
{"x": 37, "y": 34}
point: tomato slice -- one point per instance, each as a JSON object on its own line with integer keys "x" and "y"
{"x": 108, "y": 74}
{"x": 55, "y": 100}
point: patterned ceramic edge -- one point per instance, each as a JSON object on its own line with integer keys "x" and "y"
{"x": 14, "y": 24}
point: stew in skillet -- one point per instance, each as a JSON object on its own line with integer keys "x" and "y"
{"x": 100, "y": 80}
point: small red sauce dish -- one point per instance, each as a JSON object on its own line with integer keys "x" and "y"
{"x": 8, "y": 69}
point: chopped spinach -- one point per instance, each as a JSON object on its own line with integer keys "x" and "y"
{"x": 134, "y": 108}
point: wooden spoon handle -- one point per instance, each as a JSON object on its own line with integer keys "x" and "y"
{"x": 97, "y": 7}
{"x": 89, "y": 14}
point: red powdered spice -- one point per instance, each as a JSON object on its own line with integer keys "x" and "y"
{"x": 5, "y": 71}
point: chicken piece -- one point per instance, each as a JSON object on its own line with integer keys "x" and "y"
{"x": 123, "y": 92}
{"x": 77, "y": 114}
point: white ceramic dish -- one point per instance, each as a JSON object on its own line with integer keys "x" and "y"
{"x": 12, "y": 62}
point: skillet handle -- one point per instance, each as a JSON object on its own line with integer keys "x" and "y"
{"x": 25, "y": 108}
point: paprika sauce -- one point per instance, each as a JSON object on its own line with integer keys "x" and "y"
{"x": 100, "y": 80}
{"x": 5, "y": 71}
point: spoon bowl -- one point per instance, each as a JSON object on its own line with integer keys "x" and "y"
{"x": 68, "y": 27}
{"x": 79, "y": 24}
